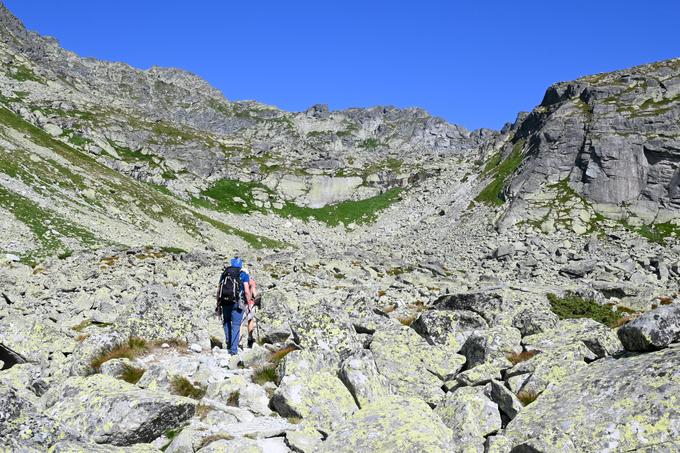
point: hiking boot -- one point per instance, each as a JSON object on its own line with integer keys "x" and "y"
{"x": 251, "y": 341}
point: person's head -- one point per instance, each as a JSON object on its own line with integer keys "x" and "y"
{"x": 237, "y": 262}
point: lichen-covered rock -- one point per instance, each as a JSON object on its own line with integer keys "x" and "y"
{"x": 158, "y": 313}
{"x": 26, "y": 379}
{"x": 653, "y": 330}
{"x": 304, "y": 440}
{"x": 92, "y": 347}
{"x": 600, "y": 339}
{"x": 232, "y": 445}
{"x": 326, "y": 332}
{"x": 115, "y": 412}
{"x": 319, "y": 398}
{"x": 548, "y": 368}
{"x": 470, "y": 415}
{"x": 492, "y": 346}
{"x": 497, "y": 444}
{"x": 89, "y": 447}
{"x": 360, "y": 375}
{"x": 612, "y": 404}
{"x": 507, "y": 402}
{"x": 274, "y": 328}
{"x": 534, "y": 320}
{"x": 34, "y": 338}
{"x": 481, "y": 374}
{"x": 402, "y": 357}
{"x": 155, "y": 378}
{"x": 492, "y": 306}
{"x": 448, "y": 328}
{"x": 117, "y": 367}
{"x": 24, "y": 428}
{"x": 237, "y": 391}
{"x": 392, "y": 424}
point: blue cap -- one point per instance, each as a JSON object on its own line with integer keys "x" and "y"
{"x": 237, "y": 262}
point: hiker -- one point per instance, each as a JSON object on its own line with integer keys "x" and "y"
{"x": 233, "y": 295}
{"x": 252, "y": 307}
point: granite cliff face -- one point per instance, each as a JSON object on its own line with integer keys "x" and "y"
{"x": 613, "y": 138}
{"x": 426, "y": 287}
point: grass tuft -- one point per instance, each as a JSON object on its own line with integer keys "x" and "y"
{"x": 213, "y": 438}
{"x": 408, "y": 320}
{"x": 665, "y": 300}
{"x": 265, "y": 374}
{"x": 527, "y": 397}
{"x": 518, "y": 357}
{"x": 183, "y": 387}
{"x": 132, "y": 374}
{"x": 233, "y": 398}
{"x": 134, "y": 347}
{"x": 277, "y": 356}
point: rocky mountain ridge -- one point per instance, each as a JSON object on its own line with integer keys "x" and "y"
{"x": 426, "y": 288}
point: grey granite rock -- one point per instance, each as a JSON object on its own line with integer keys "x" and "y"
{"x": 652, "y": 330}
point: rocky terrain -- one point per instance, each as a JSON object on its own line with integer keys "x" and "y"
{"x": 425, "y": 287}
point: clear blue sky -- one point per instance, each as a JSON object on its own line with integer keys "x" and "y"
{"x": 474, "y": 63}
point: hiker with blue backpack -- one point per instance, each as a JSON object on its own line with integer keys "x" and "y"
{"x": 233, "y": 299}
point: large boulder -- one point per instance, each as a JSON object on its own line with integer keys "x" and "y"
{"x": 533, "y": 320}
{"x": 33, "y": 338}
{"x": 114, "y": 412}
{"x": 327, "y": 332}
{"x": 493, "y": 306}
{"x": 411, "y": 366}
{"x": 273, "y": 318}
{"x": 492, "y": 346}
{"x": 653, "y": 330}
{"x": 579, "y": 269}
{"x": 625, "y": 404}
{"x": 507, "y": 402}
{"x": 91, "y": 347}
{"x": 471, "y": 415}
{"x": 533, "y": 376}
{"x": 600, "y": 339}
{"x": 448, "y": 328}
{"x": 392, "y": 424}
{"x": 361, "y": 377}
{"x": 24, "y": 428}
{"x": 158, "y": 313}
{"x": 319, "y": 398}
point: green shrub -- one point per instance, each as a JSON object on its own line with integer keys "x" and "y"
{"x": 572, "y": 306}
